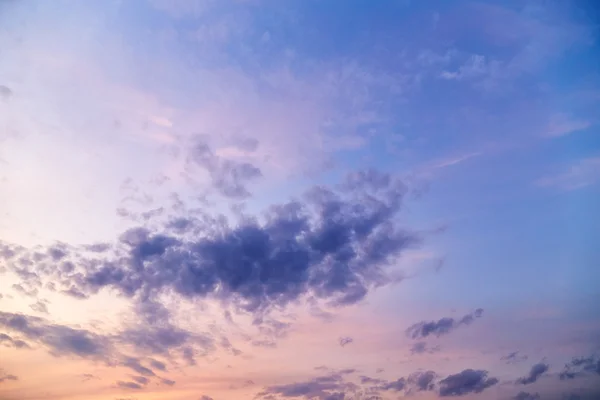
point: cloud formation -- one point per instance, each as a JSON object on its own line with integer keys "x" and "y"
{"x": 442, "y": 326}
{"x": 334, "y": 245}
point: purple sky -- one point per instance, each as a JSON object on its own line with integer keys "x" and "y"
{"x": 299, "y": 199}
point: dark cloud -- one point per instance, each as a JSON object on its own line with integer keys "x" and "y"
{"x": 580, "y": 366}
{"x": 141, "y": 380}
{"x": 441, "y": 327}
{"x": 465, "y": 382}
{"x": 135, "y": 365}
{"x": 4, "y": 377}
{"x": 333, "y": 245}
{"x": 204, "y": 397}
{"x": 159, "y": 365}
{"x": 168, "y": 382}
{"x": 228, "y": 177}
{"x": 421, "y": 348}
{"x": 343, "y": 341}
{"x": 318, "y": 388}
{"x": 526, "y": 396}
{"x": 60, "y": 339}
{"x": 422, "y": 380}
{"x": 536, "y": 371}
{"x": 335, "y": 385}
{"x": 129, "y": 385}
{"x": 514, "y": 357}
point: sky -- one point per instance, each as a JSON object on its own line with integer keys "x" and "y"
{"x": 299, "y": 199}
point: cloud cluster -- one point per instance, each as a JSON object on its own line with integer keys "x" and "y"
{"x": 337, "y": 385}
{"x": 442, "y": 326}
{"x": 580, "y": 366}
{"x": 332, "y": 244}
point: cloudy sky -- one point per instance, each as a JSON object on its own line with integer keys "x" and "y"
{"x": 299, "y": 199}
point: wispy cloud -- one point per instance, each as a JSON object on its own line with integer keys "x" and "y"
{"x": 582, "y": 173}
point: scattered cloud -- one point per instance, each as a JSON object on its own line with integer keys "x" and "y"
{"x": 343, "y": 341}
{"x": 441, "y": 327}
{"x": 536, "y": 371}
{"x": 514, "y": 357}
{"x": 580, "y": 366}
{"x": 561, "y": 125}
{"x": 228, "y": 177}
{"x": 526, "y": 396}
{"x": 59, "y": 339}
{"x": 421, "y": 348}
{"x": 4, "y": 377}
{"x": 465, "y": 382}
{"x": 129, "y": 385}
{"x": 581, "y": 174}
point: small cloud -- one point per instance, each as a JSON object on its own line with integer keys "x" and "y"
{"x": 129, "y": 385}
{"x": 514, "y": 357}
{"x": 465, "y": 382}
{"x": 581, "y": 174}
{"x": 474, "y": 67}
{"x": 40, "y": 307}
{"x": 140, "y": 379}
{"x": 441, "y": 327}
{"x": 421, "y": 348}
{"x": 536, "y": 371}
{"x": 527, "y": 396}
{"x": 4, "y": 377}
{"x": 343, "y": 341}
{"x": 562, "y": 124}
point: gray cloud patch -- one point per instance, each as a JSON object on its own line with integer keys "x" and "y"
{"x": 129, "y": 385}
{"x": 421, "y": 348}
{"x": 442, "y": 326}
{"x": 228, "y": 177}
{"x": 465, "y": 382}
{"x": 5, "y": 92}
{"x": 4, "y": 377}
{"x": 526, "y": 396}
{"x": 514, "y": 357}
{"x": 9, "y": 341}
{"x": 60, "y": 340}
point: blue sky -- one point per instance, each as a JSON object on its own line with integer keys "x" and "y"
{"x": 202, "y": 189}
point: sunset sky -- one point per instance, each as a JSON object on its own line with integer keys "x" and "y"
{"x": 299, "y": 199}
